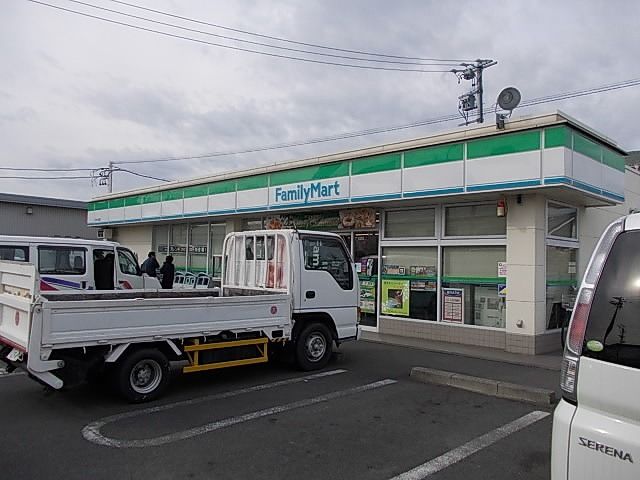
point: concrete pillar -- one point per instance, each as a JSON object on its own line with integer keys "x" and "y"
{"x": 526, "y": 281}
{"x": 233, "y": 225}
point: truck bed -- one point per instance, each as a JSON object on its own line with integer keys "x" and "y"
{"x": 78, "y": 320}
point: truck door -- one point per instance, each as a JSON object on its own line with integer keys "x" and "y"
{"x": 328, "y": 282}
{"x": 63, "y": 267}
{"x": 128, "y": 273}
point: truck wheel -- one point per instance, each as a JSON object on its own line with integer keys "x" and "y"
{"x": 313, "y": 347}
{"x": 143, "y": 375}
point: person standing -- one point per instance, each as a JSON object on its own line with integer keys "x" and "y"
{"x": 150, "y": 265}
{"x": 168, "y": 271}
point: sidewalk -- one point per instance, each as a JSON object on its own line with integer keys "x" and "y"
{"x": 550, "y": 361}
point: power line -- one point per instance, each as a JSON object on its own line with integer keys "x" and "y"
{"x": 67, "y": 177}
{"x": 27, "y": 169}
{"x": 241, "y": 49}
{"x": 372, "y": 131}
{"x": 141, "y": 174}
{"x": 235, "y": 39}
{"x": 285, "y": 40}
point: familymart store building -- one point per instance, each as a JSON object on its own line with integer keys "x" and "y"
{"x": 476, "y": 236}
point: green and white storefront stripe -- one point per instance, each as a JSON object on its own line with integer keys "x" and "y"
{"x": 557, "y": 155}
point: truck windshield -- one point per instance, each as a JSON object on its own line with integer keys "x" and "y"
{"x": 613, "y": 329}
{"x": 328, "y": 254}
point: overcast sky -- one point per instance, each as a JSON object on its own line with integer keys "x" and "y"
{"x": 78, "y": 92}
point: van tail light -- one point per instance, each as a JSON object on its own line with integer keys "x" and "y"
{"x": 580, "y": 317}
{"x": 573, "y": 349}
{"x": 578, "y": 325}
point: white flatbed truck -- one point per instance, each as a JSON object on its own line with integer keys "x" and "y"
{"x": 279, "y": 288}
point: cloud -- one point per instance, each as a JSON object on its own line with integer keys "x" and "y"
{"x": 77, "y": 92}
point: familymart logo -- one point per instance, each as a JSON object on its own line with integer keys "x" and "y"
{"x": 308, "y": 192}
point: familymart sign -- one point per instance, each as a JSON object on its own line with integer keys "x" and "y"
{"x": 304, "y": 193}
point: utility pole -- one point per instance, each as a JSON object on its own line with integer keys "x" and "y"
{"x": 474, "y": 98}
{"x": 110, "y": 178}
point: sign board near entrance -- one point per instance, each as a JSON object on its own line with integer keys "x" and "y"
{"x": 453, "y": 305}
{"x": 395, "y": 297}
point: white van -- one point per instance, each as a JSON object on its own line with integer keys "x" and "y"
{"x": 77, "y": 264}
{"x": 596, "y": 426}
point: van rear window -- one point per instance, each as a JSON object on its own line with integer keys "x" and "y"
{"x": 16, "y": 254}
{"x": 613, "y": 329}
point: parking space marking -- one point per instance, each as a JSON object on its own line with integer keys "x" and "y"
{"x": 453, "y": 456}
{"x": 92, "y": 432}
{"x": 88, "y": 430}
{"x": 12, "y": 374}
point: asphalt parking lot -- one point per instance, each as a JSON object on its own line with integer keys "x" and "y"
{"x": 360, "y": 418}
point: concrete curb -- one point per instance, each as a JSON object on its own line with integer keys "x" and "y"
{"x": 486, "y": 386}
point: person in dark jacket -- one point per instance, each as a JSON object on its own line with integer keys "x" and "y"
{"x": 168, "y": 271}
{"x": 150, "y": 265}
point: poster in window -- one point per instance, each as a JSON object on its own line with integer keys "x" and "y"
{"x": 395, "y": 297}
{"x": 368, "y": 296}
{"x": 453, "y": 305}
{"x": 423, "y": 270}
{"x": 392, "y": 269}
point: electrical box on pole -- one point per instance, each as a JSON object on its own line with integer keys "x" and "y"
{"x": 473, "y": 100}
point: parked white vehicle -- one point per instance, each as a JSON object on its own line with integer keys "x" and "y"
{"x": 77, "y": 264}
{"x": 596, "y": 426}
{"x": 279, "y": 287}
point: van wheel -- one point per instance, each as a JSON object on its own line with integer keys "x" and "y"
{"x": 313, "y": 347}
{"x": 142, "y": 376}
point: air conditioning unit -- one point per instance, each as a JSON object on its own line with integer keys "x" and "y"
{"x": 105, "y": 233}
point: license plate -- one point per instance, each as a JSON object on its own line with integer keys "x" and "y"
{"x": 15, "y": 355}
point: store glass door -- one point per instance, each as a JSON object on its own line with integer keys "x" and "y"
{"x": 365, "y": 256}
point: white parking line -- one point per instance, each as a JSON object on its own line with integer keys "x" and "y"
{"x": 453, "y": 456}
{"x": 92, "y": 431}
{"x": 4, "y": 374}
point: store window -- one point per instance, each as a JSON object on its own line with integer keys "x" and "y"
{"x": 218, "y": 232}
{"x": 409, "y": 282}
{"x": 472, "y": 291}
{"x": 419, "y": 222}
{"x": 198, "y": 248}
{"x": 474, "y": 220}
{"x": 178, "y": 245}
{"x": 249, "y": 224}
{"x": 561, "y": 284}
{"x": 562, "y": 221}
{"x": 160, "y": 241}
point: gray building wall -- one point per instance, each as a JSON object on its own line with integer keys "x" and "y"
{"x": 44, "y": 221}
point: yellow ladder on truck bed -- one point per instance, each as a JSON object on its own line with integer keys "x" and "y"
{"x": 193, "y": 352}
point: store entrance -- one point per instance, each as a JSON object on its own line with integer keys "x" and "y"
{"x": 364, "y": 250}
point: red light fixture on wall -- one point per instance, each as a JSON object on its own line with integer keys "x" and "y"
{"x": 501, "y": 209}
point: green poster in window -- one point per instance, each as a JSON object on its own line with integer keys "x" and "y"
{"x": 395, "y": 297}
{"x": 368, "y": 296}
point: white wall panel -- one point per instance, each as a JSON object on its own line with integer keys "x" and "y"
{"x": 133, "y": 212}
{"x": 195, "y": 205}
{"x": 172, "y": 207}
{"x": 503, "y": 168}
{"x": 587, "y": 170}
{"x": 433, "y": 177}
{"x": 116, "y": 214}
{"x": 222, "y": 202}
{"x": 150, "y": 210}
{"x": 253, "y": 198}
{"x": 612, "y": 180}
{"x": 374, "y": 184}
{"x": 556, "y": 162}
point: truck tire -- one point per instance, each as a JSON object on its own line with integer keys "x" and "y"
{"x": 142, "y": 376}
{"x": 313, "y": 347}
